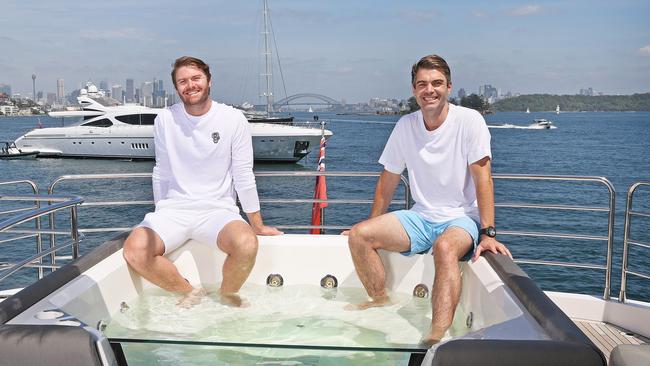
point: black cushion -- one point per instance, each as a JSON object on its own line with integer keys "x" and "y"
{"x": 476, "y": 352}
{"x": 41, "y": 345}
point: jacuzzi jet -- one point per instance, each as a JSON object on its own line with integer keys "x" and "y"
{"x": 274, "y": 280}
{"x": 101, "y": 325}
{"x": 470, "y": 319}
{"x": 329, "y": 282}
{"x": 123, "y": 307}
{"x": 421, "y": 291}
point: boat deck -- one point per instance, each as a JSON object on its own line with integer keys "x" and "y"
{"x": 607, "y": 336}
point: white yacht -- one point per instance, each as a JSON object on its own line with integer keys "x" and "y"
{"x": 107, "y": 130}
{"x": 541, "y": 123}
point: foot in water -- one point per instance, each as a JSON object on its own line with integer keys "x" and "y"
{"x": 373, "y": 303}
{"x": 428, "y": 341}
{"x": 192, "y": 298}
{"x": 233, "y": 299}
{"x": 434, "y": 336}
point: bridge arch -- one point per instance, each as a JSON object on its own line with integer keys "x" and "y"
{"x": 325, "y": 99}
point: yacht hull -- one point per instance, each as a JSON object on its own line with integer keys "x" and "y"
{"x": 137, "y": 143}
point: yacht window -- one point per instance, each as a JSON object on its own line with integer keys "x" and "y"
{"x": 104, "y": 122}
{"x": 147, "y": 119}
{"x": 138, "y": 119}
{"x": 132, "y": 119}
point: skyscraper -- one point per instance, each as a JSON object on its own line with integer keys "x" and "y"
{"x": 146, "y": 94}
{"x": 60, "y": 91}
{"x": 34, "y": 86}
{"x": 130, "y": 90}
{"x": 116, "y": 93}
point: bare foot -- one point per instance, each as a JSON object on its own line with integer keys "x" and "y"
{"x": 374, "y": 302}
{"x": 427, "y": 342}
{"x": 233, "y": 299}
{"x": 434, "y": 336}
{"x": 192, "y": 298}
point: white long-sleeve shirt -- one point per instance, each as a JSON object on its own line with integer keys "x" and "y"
{"x": 208, "y": 158}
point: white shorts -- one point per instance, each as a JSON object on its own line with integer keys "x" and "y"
{"x": 177, "y": 223}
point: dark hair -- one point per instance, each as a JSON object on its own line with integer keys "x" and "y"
{"x": 190, "y": 61}
{"x": 431, "y": 62}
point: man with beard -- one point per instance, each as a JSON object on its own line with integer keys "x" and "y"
{"x": 204, "y": 161}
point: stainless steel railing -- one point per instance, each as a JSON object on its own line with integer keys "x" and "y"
{"x": 67, "y": 178}
{"x": 38, "y": 237}
{"x": 610, "y": 210}
{"x": 627, "y": 241}
{"x": 607, "y": 266}
{"x": 56, "y": 203}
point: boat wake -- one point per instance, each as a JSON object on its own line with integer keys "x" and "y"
{"x": 363, "y": 121}
{"x": 530, "y": 127}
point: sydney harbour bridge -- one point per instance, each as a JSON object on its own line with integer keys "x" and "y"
{"x": 307, "y": 99}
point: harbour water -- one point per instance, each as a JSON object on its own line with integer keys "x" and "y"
{"x": 611, "y": 145}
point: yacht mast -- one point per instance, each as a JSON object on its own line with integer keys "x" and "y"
{"x": 268, "y": 60}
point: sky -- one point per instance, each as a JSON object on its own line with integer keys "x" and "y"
{"x": 345, "y": 49}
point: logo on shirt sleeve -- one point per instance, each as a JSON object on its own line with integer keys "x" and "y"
{"x": 215, "y": 137}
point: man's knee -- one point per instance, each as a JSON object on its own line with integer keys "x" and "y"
{"x": 246, "y": 244}
{"x": 445, "y": 250}
{"x": 137, "y": 247}
{"x": 360, "y": 235}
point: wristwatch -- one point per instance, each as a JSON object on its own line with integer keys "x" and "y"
{"x": 489, "y": 231}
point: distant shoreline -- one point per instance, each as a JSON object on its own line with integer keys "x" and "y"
{"x": 574, "y": 103}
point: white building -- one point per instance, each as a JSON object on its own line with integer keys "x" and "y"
{"x": 8, "y": 109}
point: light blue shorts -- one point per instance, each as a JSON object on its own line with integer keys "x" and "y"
{"x": 423, "y": 233}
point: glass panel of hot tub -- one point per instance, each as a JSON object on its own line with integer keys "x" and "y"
{"x": 285, "y": 322}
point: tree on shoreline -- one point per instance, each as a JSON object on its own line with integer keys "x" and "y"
{"x": 475, "y": 102}
{"x": 597, "y": 103}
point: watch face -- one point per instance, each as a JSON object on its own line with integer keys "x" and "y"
{"x": 491, "y": 231}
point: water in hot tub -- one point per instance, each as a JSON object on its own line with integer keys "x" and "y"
{"x": 300, "y": 317}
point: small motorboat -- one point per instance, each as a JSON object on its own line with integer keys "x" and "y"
{"x": 541, "y": 123}
{"x": 8, "y": 150}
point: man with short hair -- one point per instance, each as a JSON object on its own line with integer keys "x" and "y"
{"x": 446, "y": 149}
{"x": 204, "y": 161}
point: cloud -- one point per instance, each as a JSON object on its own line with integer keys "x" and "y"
{"x": 645, "y": 50}
{"x": 420, "y": 16}
{"x": 479, "y": 14}
{"x": 118, "y": 34}
{"x": 525, "y": 10}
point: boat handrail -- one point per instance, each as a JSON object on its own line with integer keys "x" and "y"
{"x": 406, "y": 203}
{"x": 610, "y": 209}
{"x": 38, "y": 236}
{"x": 55, "y": 204}
{"x": 629, "y": 213}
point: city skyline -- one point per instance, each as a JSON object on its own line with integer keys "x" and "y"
{"x": 352, "y": 51}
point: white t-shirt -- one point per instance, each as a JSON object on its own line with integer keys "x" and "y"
{"x": 438, "y": 161}
{"x": 205, "y": 160}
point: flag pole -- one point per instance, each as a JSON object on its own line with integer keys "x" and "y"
{"x": 320, "y": 207}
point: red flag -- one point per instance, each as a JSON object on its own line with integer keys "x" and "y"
{"x": 320, "y": 191}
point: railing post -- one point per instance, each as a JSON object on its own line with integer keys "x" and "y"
{"x": 610, "y": 239}
{"x": 74, "y": 232}
{"x": 626, "y": 237}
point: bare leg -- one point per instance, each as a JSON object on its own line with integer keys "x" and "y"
{"x": 143, "y": 251}
{"x": 448, "y": 249}
{"x": 239, "y": 242}
{"x": 381, "y": 232}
